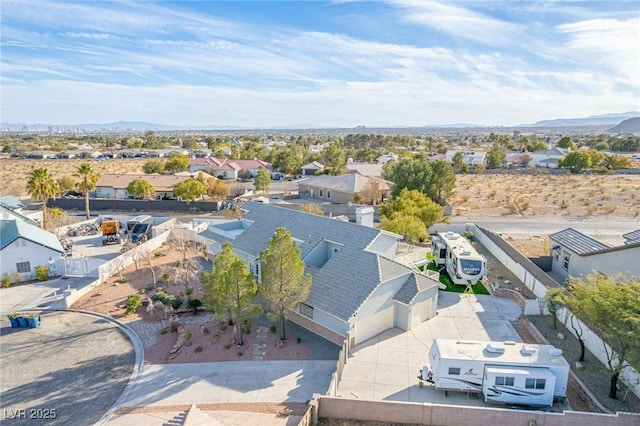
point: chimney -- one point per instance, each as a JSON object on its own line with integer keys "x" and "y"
{"x": 364, "y": 216}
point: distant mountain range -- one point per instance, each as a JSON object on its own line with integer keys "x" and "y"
{"x": 594, "y": 120}
{"x": 137, "y": 126}
{"x": 630, "y": 125}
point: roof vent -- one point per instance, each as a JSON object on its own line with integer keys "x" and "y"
{"x": 495, "y": 348}
{"x": 554, "y": 351}
{"x": 527, "y": 350}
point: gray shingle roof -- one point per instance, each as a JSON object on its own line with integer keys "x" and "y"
{"x": 577, "y": 242}
{"x": 345, "y": 281}
{"x": 408, "y": 290}
{"x": 11, "y": 230}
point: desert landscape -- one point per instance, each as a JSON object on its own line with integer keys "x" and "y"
{"x": 478, "y": 195}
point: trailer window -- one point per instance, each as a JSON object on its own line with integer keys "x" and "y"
{"x": 535, "y": 383}
{"x": 471, "y": 267}
{"x": 454, "y": 371}
{"x": 504, "y": 381}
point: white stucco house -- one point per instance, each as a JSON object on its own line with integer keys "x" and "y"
{"x": 547, "y": 158}
{"x": 357, "y": 289}
{"x": 576, "y": 254}
{"x": 227, "y": 168}
{"x": 470, "y": 158}
{"x": 23, "y": 246}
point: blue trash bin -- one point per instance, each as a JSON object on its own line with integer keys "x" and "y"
{"x": 23, "y": 322}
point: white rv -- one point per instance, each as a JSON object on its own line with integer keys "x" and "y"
{"x": 504, "y": 372}
{"x": 463, "y": 263}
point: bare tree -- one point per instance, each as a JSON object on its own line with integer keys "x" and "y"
{"x": 372, "y": 192}
{"x": 187, "y": 269}
{"x": 142, "y": 254}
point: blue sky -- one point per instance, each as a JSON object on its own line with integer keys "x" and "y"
{"x": 337, "y": 63}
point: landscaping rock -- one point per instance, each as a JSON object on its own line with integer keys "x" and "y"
{"x": 560, "y": 336}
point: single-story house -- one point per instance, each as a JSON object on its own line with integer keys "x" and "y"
{"x": 311, "y": 168}
{"x": 547, "y": 158}
{"x": 576, "y": 254}
{"x": 227, "y": 168}
{"x": 115, "y": 186}
{"x": 357, "y": 287}
{"x": 365, "y": 169}
{"x": 23, "y": 246}
{"x": 470, "y": 158}
{"x": 342, "y": 189}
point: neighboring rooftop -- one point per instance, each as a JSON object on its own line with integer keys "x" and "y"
{"x": 578, "y": 242}
{"x": 11, "y": 230}
{"x": 350, "y": 182}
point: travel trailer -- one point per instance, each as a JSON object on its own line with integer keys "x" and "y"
{"x": 504, "y": 372}
{"x": 462, "y": 262}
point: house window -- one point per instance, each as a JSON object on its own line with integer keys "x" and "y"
{"x": 535, "y": 383}
{"x": 328, "y": 194}
{"x": 306, "y": 310}
{"x": 556, "y": 254}
{"x": 565, "y": 263}
{"x": 504, "y": 381}
{"x": 23, "y": 267}
{"x": 321, "y": 192}
{"x": 454, "y": 371}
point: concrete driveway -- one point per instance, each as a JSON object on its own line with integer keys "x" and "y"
{"x": 386, "y": 367}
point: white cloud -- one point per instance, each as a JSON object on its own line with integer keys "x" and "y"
{"x": 457, "y": 21}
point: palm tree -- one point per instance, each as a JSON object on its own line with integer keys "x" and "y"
{"x": 42, "y": 186}
{"x": 88, "y": 180}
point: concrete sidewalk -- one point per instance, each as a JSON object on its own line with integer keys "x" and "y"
{"x": 233, "y": 381}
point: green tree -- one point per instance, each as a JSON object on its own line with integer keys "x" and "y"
{"x": 554, "y": 299}
{"x": 575, "y": 161}
{"x": 87, "y": 183}
{"x": 177, "y": 163}
{"x": 229, "y": 289}
{"x": 566, "y": 142}
{"x": 609, "y": 305}
{"x": 410, "y": 215}
{"x": 335, "y": 157}
{"x": 312, "y": 208}
{"x": 262, "y": 180}
{"x": 615, "y": 162}
{"x": 189, "y": 190}
{"x": 496, "y": 157}
{"x": 443, "y": 181}
{"x": 42, "y": 186}
{"x": 417, "y": 173}
{"x": 284, "y": 283}
{"x": 66, "y": 183}
{"x": 140, "y": 188}
{"x": 155, "y": 165}
{"x": 458, "y": 160}
{"x": 287, "y": 160}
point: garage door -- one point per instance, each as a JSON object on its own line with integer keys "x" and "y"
{"x": 421, "y": 312}
{"x": 373, "y": 325}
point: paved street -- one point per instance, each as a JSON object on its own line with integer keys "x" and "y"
{"x": 68, "y": 371}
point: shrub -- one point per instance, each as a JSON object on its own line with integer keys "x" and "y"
{"x": 6, "y": 281}
{"x": 122, "y": 280}
{"x": 167, "y": 299}
{"x": 133, "y": 303}
{"x": 42, "y": 273}
{"x": 298, "y": 339}
{"x": 187, "y": 336}
{"x": 246, "y": 327}
{"x": 194, "y": 304}
{"x": 273, "y": 328}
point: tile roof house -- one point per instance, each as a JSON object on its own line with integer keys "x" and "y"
{"x": 227, "y": 168}
{"x": 576, "y": 254}
{"x": 115, "y": 186}
{"x": 23, "y": 246}
{"x": 343, "y": 188}
{"x": 357, "y": 287}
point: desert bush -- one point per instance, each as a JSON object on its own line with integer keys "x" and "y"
{"x": 194, "y": 304}
{"x": 42, "y": 273}
{"x": 167, "y": 299}
{"x": 6, "y": 281}
{"x": 273, "y": 328}
{"x": 133, "y": 303}
{"x": 610, "y": 209}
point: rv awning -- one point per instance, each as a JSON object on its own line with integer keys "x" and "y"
{"x": 526, "y": 371}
